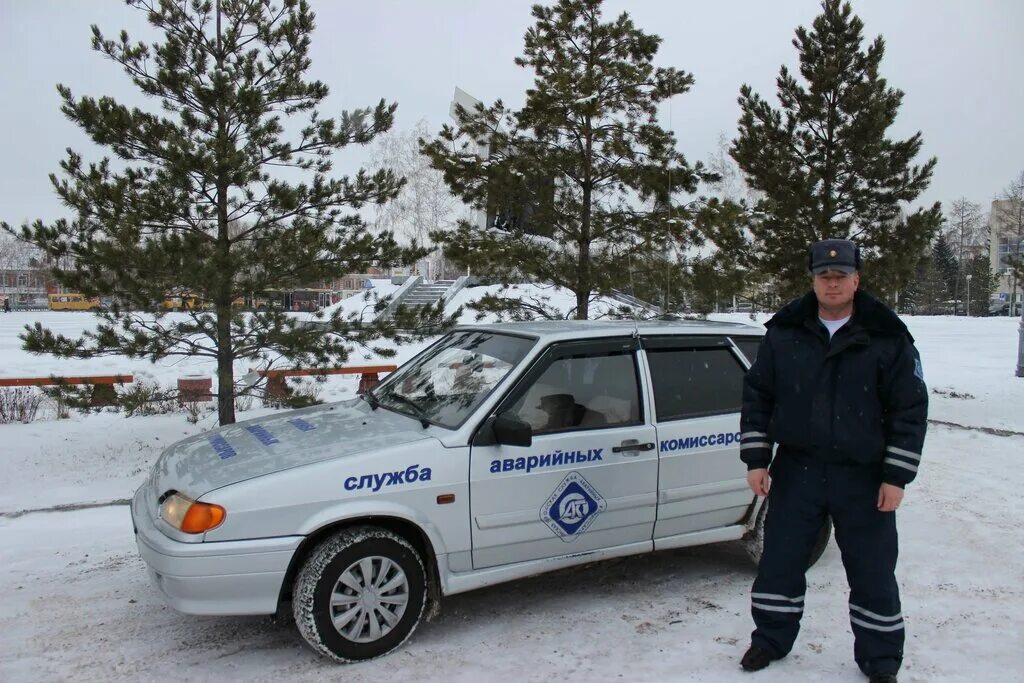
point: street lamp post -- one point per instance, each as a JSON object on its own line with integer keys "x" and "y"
{"x": 1020, "y": 347}
{"x": 969, "y": 295}
{"x": 1020, "y": 340}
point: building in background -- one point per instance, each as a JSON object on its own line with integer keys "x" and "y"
{"x": 1007, "y": 239}
{"x": 25, "y": 287}
{"x": 24, "y": 282}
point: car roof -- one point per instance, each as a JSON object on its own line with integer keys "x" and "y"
{"x": 552, "y": 330}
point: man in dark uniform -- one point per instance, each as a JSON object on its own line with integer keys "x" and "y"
{"x": 838, "y": 385}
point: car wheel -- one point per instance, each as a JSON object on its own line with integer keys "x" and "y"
{"x": 360, "y": 594}
{"x": 753, "y": 542}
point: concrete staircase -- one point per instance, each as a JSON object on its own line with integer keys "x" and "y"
{"x": 416, "y": 294}
{"x": 426, "y": 293}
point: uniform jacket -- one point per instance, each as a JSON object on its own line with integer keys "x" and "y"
{"x": 857, "y": 399}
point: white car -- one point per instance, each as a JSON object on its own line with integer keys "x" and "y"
{"x": 499, "y": 452}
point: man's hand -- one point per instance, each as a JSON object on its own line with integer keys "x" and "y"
{"x": 889, "y": 497}
{"x": 759, "y": 481}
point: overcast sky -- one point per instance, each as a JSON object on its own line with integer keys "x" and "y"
{"x": 959, "y": 62}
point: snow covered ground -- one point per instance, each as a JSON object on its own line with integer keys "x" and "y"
{"x": 14, "y": 362}
{"x": 78, "y": 606}
{"x": 361, "y": 305}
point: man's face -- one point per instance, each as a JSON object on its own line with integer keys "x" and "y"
{"x": 834, "y": 289}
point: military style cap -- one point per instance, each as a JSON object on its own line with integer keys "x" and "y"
{"x": 838, "y": 255}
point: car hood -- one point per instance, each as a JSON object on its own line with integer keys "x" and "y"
{"x": 254, "y": 448}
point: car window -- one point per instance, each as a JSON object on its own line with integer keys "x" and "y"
{"x": 590, "y": 391}
{"x": 748, "y": 346}
{"x": 695, "y": 382}
{"x": 448, "y": 382}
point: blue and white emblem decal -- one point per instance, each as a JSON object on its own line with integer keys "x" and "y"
{"x": 572, "y": 508}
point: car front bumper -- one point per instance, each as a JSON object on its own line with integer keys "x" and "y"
{"x": 221, "y": 578}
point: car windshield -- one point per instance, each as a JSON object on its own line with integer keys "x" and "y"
{"x": 447, "y": 383}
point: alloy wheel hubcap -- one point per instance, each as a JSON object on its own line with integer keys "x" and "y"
{"x": 369, "y": 599}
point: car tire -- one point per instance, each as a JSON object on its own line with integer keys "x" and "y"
{"x": 753, "y": 542}
{"x": 337, "y": 616}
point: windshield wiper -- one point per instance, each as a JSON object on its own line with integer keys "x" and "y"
{"x": 418, "y": 411}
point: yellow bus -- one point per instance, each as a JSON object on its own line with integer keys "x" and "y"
{"x": 187, "y": 301}
{"x": 184, "y": 301}
{"x": 73, "y": 301}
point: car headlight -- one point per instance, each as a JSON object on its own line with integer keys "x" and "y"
{"x": 191, "y": 516}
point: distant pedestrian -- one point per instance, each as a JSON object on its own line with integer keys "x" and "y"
{"x": 838, "y": 386}
{"x": 7, "y": 304}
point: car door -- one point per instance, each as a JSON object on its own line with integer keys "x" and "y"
{"x": 588, "y": 479}
{"x": 698, "y": 387}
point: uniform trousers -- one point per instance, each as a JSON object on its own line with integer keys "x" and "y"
{"x": 803, "y": 492}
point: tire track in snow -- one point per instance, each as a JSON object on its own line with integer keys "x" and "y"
{"x": 66, "y": 507}
{"x": 988, "y": 430}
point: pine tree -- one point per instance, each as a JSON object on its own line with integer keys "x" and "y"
{"x": 910, "y": 298}
{"x": 984, "y": 282}
{"x": 728, "y": 271}
{"x": 713, "y": 279}
{"x": 582, "y": 180}
{"x": 946, "y": 265}
{"x": 196, "y": 198}
{"x": 930, "y": 290}
{"x": 824, "y": 163}
{"x": 659, "y": 279}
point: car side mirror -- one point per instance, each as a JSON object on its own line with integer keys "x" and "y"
{"x": 511, "y": 431}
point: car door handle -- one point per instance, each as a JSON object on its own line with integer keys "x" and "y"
{"x": 632, "y": 446}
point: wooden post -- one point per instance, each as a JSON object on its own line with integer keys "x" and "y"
{"x": 367, "y": 381}
{"x": 103, "y": 395}
{"x": 194, "y": 389}
{"x": 277, "y": 387}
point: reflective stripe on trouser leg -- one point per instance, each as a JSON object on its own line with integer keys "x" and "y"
{"x": 780, "y": 604}
{"x": 866, "y": 619}
{"x": 868, "y": 541}
{"x": 794, "y": 519}
{"x": 878, "y": 639}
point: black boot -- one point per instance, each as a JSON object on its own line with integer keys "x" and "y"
{"x": 882, "y": 678}
{"x": 756, "y": 658}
